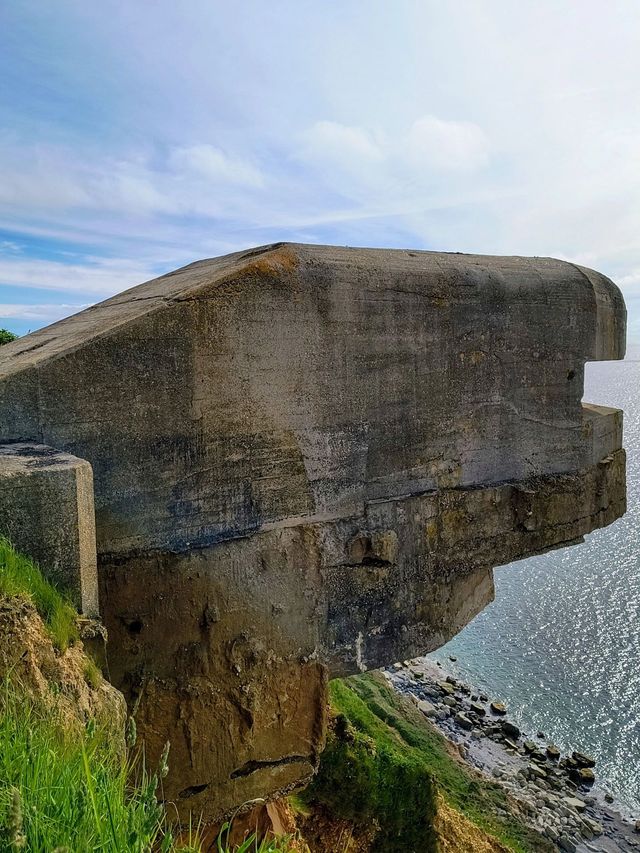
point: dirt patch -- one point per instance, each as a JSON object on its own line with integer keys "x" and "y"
{"x": 456, "y": 834}
{"x": 67, "y": 684}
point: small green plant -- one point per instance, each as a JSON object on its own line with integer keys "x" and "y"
{"x": 92, "y": 674}
{"x": 376, "y": 755}
{"x": 367, "y": 775}
{"x": 252, "y": 844}
{"x": 19, "y": 576}
{"x": 6, "y": 337}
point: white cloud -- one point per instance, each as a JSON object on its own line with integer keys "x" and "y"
{"x": 40, "y": 314}
{"x": 337, "y": 143}
{"x": 433, "y": 143}
{"x": 212, "y": 164}
{"x": 100, "y": 277}
{"x": 37, "y": 179}
{"x": 397, "y": 172}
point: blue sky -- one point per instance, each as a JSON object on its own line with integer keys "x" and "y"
{"x": 137, "y": 137}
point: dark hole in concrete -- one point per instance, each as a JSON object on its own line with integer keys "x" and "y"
{"x": 571, "y": 374}
{"x": 133, "y": 626}
{"x": 192, "y": 791}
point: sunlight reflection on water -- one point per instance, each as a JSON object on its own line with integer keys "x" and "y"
{"x": 561, "y": 642}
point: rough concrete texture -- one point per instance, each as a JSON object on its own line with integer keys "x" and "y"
{"x": 307, "y": 461}
{"x": 46, "y": 510}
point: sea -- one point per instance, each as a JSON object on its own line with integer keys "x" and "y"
{"x": 561, "y": 642}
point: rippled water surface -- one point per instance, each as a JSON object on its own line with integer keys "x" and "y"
{"x": 561, "y": 642}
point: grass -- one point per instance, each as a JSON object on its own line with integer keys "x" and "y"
{"x": 92, "y": 674}
{"x": 20, "y": 577}
{"x": 64, "y": 793}
{"x": 252, "y": 844}
{"x": 60, "y": 792}
{"x": 367, "y": 774}
{"x": 391, "y": 722}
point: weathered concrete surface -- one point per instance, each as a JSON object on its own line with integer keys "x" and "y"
{"x": 307, "y": 461}
{"x": 46, "y": 510}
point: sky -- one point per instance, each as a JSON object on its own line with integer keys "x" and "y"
{"x": 136, "y": 137}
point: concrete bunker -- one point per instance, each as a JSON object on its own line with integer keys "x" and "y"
{"x": 307, "y": 461}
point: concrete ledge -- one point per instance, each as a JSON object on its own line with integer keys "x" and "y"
{"x": 46, "y": 510}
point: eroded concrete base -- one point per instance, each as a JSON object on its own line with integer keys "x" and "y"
{"x": 230, "y": 659}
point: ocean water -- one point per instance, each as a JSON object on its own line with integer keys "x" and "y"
{"x": 561, "y": 642}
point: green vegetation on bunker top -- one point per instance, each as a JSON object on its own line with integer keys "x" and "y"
{"x": 21, "y": 577}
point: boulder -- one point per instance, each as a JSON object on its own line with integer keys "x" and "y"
{"x": 427, "y": 708}
{"x": 510, "y": 730}
{"x": 553, "y": 753}
{"x": 478, "y": 709}
{"x": 574, "y": 803}
{"x": 586, "y": 776}
{"x": 594, "y": 826}
{"x": 498, "y": 708}
{"x": 537, "y": 772}
{"x": 583, "y": 760}
{"x": 463, "y": 721}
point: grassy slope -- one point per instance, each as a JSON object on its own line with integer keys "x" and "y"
{"x": 395, "y": 728}
{"x": 67, "y": 793}
{"x": 20, "y": 577}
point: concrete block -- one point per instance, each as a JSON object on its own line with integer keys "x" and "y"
{"x": 46, "y": 510}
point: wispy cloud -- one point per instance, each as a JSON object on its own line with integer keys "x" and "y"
{"x": 97, "y": 277}
{"x": 40, "y": 314}
{"x": 477, "y": 126}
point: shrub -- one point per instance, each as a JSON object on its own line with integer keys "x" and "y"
{"x": 6, "y": 336}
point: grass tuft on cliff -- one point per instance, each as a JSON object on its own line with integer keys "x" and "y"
{"x": 385, "y": 762}
{"x": 368, "y": 774}
{"x": 20, "y": 577}
{"x": 67, "y": 792}
{"x": 61, "y": 792}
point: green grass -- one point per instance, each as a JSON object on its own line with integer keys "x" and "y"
{"x": 252, "y": 844}
{"x": 368, "y": 774}
{"x": 68, "y": 793}
{"x": 60, "y": 791}
{"x": 92, "y": 674}
{"x": 391, "y": 723}
{"x": 20, "y": 577}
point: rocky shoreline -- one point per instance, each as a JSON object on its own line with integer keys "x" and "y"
{"x": 558, "y": 795}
